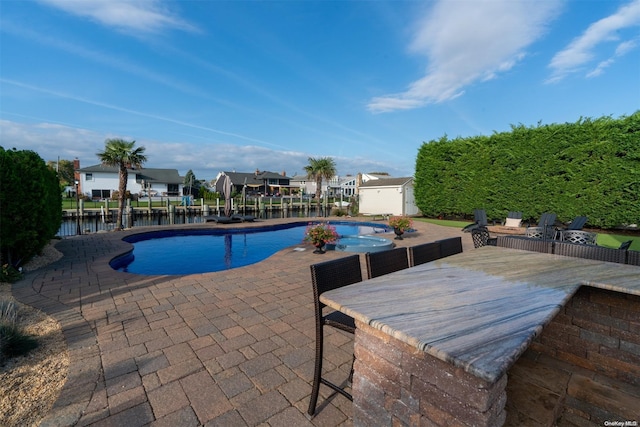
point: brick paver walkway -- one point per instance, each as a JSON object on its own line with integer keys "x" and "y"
{"x": 227, "y": 348}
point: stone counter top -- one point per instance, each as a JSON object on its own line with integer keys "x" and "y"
{"x": 478, "y": 310}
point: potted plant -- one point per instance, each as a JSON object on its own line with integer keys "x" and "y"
{"x": 400, "y": 224}
{"x": 319, "y": 235}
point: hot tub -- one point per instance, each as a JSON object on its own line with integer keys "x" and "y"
{"x": 361, "y": 244}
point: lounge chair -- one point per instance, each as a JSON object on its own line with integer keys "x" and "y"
{"x": 625, "y": 245}
{"x": 514, "y": 219}
{"x": 243, "y": 218}
{"x": 222, "y": 219}
{"x": 577, "y": 224}
{"x": 480, "y": 220}
{"x": 544, "y": 229}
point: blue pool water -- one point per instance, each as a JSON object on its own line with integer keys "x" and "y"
{"x": 175, "y": 252}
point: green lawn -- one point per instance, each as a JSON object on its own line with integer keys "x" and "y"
{"x": 604, "y": 239}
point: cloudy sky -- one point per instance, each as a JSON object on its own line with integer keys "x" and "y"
{"x": 245, "y": 85}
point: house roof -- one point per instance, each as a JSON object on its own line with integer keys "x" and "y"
{"x": 386, "y": 182}
{"x": 169, "y": 176}
{"x": 254, "y": 178}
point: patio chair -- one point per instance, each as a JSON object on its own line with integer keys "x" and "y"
{"x": 481, "y": 237}
{"x": 450, "y": 246}
{"x": 526, "y": 244}
{"x": 544, "y": 229}
{"x": 385, "y": 262}
{"x": 578, "y": 236}
{"x": 625, "y": 245}
{"x": 576, "y": 224}
{"x": 327, "y": 276}
{"x": 480, "y": 220}
{"x": 423, "y": 253}
{"x": 243, "y": 218}
{"x": 222, "y": 219}
{"x": 514, "y": 219}
{"x": 599, "y": 253}
{"x": 633, "y": 258}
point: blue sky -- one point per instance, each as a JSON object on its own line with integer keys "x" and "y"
{"x": 245, "y": 85}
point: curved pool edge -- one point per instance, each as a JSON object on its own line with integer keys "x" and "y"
{"x": 151, "y": 232}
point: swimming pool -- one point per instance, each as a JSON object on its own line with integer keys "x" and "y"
{"x": 177, "y": 252}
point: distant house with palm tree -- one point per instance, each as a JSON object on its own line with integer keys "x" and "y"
{"x": 99, "y": 181}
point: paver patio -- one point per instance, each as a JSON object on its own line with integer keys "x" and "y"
{"x": 226, "y": 348}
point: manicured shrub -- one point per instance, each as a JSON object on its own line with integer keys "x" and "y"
{"x": 591, "y": 167}
{"x": 28, "y": 223}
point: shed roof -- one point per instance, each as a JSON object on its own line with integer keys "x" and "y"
{"x": 386, "y": 182}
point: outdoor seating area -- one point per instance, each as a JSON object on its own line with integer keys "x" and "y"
{"x": 567, "y": 248}
{"x": 247, "y": 346}
{"x": 485, "y": 323}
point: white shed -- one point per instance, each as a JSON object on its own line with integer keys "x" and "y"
{"x": 392, "y": 196}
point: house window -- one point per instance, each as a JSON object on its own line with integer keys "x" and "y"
{"x": 88, "y": 177}
{"x": 173, "y": 189}
{"x": 100, "y": 194}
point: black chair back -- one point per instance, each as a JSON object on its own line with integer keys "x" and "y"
{"x": 480, "y": 237}
{"x": 334, "y": 274}
{"x": 526, "y": 244}
{"x": 625, "y": 245}
{"x": 450, "y": 246}
{"x": 577, "y": 223}
{"x": 599, "y": 253}
{"x": 423, "y": 253}
{"x": 384, "y": 262}
{"x": 327, "y": 276}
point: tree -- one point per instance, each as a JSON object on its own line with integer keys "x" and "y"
{"x": 191, "y": 184}
{"x": 65, "y": 171}
{"x": 319, "y": 169}
{"x": 122, "y": 154}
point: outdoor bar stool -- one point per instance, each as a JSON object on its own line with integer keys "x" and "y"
{"x": 423, "y": 253}
{"x": 450, "y": 246}
{"x": 327, "y": 276}
{"x": 385, "y": 262}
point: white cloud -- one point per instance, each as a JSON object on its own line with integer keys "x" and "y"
{"x": 131, "y": 16}
{"x": 467, "y": 42}
{"x": 52, "y": 141}
{"x": 581, "y": 51}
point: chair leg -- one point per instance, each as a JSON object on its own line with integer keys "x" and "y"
{"x": 317, "y": 374}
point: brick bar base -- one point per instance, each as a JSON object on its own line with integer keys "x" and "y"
{"x": 395, "y": 384}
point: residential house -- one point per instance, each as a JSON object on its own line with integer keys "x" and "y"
{"x": 347, "y": 185}
{"x": 258, "y": 183}
{"x": 392, "y": 196}
{"x": 99, "y": 181}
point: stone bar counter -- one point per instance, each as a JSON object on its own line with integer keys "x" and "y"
{"x": 434, "y": 342}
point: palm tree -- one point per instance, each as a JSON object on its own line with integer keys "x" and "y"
{"x": 319, "y": 168}
{"x": 121, "y": 154}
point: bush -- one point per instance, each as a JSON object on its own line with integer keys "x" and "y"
{"x": 591, "y": 167}
{"x": 13, "y": 341}
{"x": 27, "y": 225}
{"x": 9, "y": 274}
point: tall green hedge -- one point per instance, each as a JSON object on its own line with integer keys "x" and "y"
{"x": 30, "y": 205}
{"x": 591, "y": 167}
